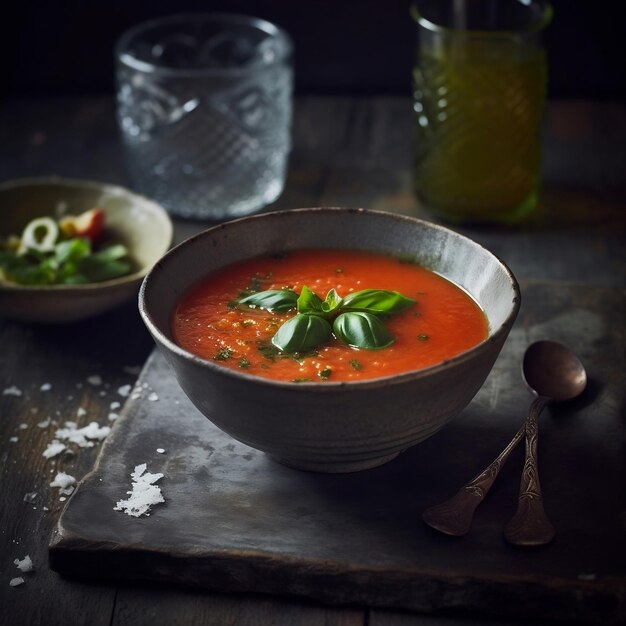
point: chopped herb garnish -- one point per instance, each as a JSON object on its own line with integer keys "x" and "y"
{"x": 246, "y": 323}
{"x": 339, "y": 270}
{"x": 423, "y": 337}
{"x": 224, "y": 354}
{"x": 244, "y": 363}
{"x": 354, "y": 364}
{"x": 301, "y": 380}
{"x": 325, "y": 373}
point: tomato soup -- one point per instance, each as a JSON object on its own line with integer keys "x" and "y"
{"x": 209, "y": 320}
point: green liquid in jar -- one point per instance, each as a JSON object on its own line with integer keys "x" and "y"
{"x": 478, "y": 106}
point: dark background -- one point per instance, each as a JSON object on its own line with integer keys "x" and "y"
{"x": 60, "y": 47}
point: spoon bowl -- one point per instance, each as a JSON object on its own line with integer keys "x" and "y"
{"x": 552, "y": 370}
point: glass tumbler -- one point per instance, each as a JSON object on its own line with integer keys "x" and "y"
{"x": 479, "y": 95}
{"x": 204, "y": 108}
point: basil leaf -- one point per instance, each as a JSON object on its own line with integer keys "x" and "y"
{"x": 309, "y": 302}
{"x": 362, "y": 330}
{"x": 272, "y": 300}
{"x": 301, "y": 333}
{"x": 376, "y": 301}
{"x": 332, "y": 302}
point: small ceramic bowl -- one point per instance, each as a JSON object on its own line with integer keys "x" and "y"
{"x": 332, "y": 426}
{"x": 142, "y": 225}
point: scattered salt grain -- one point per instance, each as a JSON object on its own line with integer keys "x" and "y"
{"x": 81, "y": 411}
{"x": 13, "y": 439}
{"x": 54, "y": 448}
{"x": 124, "y": 390}
{"x": 94, "y": 380}
{"x": 45, "y": 387}
{"x": 160, "y": 450}
{"x": 45, "y": 508}
{"x": 153, "y": 397}
{"x": 14, "y": 582}
{"x": 45, "y": 423}
{"x": 12, "y": 391}
{"x": 62, "y": 499}
{"x": 25, "y": 564}
{"x": 113, "y": 417}
{"x": 63, "y": 480}
{"x": 114, "y": 405}
{"x": 30, "y": 497}
{"x": 143, "y": 494}
{"x": 23, "y": 426}
{"x": 82, "y": 436}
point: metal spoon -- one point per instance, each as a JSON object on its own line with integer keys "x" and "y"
{"x": 553, "y": 372}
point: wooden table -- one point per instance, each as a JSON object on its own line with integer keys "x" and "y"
{"x": 352, "y": 152}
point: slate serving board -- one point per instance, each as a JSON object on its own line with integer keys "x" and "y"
{"x": 234, "y": 520}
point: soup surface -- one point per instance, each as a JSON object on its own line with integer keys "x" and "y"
{"x": 443, "y": 322}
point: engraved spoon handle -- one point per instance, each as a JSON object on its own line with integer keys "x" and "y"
{"x": 454, "y": 516}
{"x": 530, "y": 525}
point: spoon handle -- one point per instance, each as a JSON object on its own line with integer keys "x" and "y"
{"x": 454, "y": 516}
{"x": 530, "y": 525}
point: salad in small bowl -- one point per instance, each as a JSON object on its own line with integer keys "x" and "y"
{"x": 71, "y": 249}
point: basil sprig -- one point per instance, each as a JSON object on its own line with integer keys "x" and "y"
{"x": 355, "y": 319}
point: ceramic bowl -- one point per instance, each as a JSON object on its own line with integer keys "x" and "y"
{"x": 143, "y": 226}
{"x": 332, "y": 426}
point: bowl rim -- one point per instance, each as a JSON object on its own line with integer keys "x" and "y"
{"x": 61, "y": 181}
{"x": 328, "y": 385}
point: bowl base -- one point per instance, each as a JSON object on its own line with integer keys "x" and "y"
{"x": 334, "y": 467}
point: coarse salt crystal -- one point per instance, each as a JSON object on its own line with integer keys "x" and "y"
{"x": 82, "y": 436}
{"x": 62, "y": 499}
{"x": 13, "y": 439}
{"x": 23, "y": 426}
{"x": 114, "y": 405}
{"x": 14, "y": 582}
{"x": 113, "y": 416}
{"x": 124, "y": 390}
{"x": 30, "y": 497}
{"x": 153, "y": 397}
{"x": 45, "y": 423}
{"x": 81, "y": 411}
{"x": 25, "y": 564}
{"x": 143, "y": 495}
{"x": 54, "y": 448}
{"x": 45, "y": 387}
{"x": 12, "y": 391}
{"x": 63, "y": 480}
{"x": 94, "y": 380}
{"x": 160, "y": 450}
